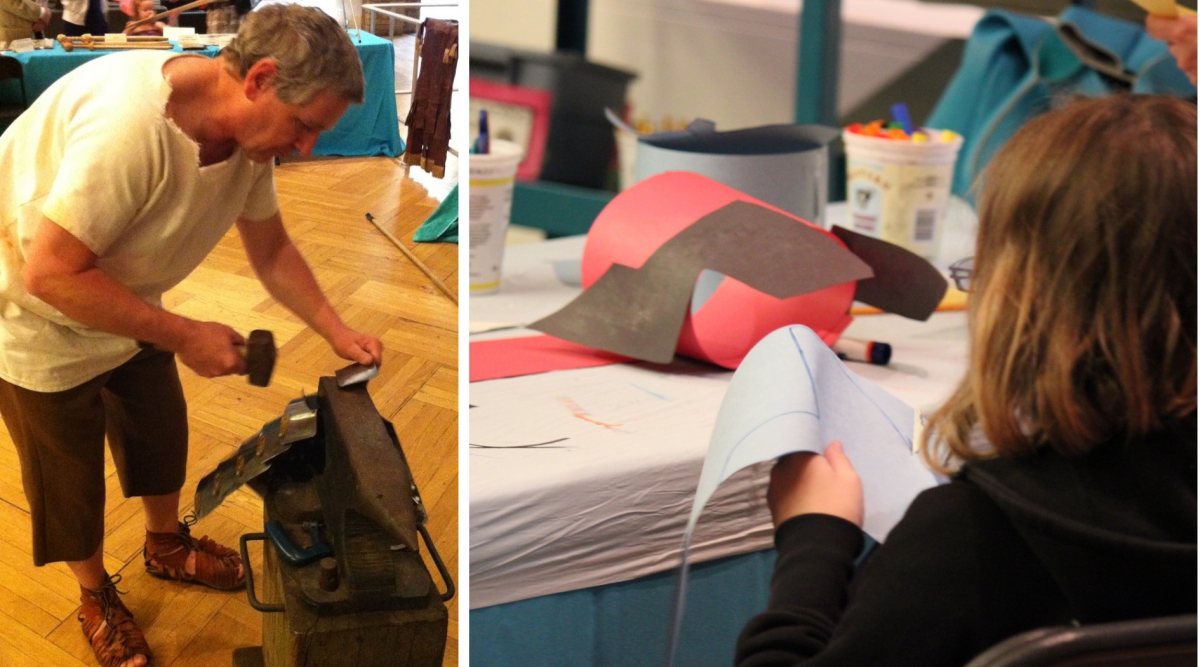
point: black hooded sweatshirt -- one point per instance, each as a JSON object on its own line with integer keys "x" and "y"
{"x": 1007, "y": 546}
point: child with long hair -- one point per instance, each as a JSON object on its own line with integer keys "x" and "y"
{"x": 1071, "y": 441}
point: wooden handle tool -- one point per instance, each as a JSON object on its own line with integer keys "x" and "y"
{"x": 191, "y": 5}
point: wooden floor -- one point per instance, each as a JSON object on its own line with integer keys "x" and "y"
{"x": 377, "y": 291}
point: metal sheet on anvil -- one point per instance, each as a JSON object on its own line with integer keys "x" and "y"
{"x": 253, "y": 457}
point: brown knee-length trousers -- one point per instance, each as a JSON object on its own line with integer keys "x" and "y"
{"x": 59, "y": 438}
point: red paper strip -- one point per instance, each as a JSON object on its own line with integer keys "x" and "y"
{"x": 529, "y": 355}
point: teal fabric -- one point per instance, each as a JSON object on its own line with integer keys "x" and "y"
{"x": 626, "y": 624}
{"x": 559, "y": 209}
{"x": 442, "y": 225}
{"x": 44, "y": 67}
{"x": 1016, "y": 67}
{"x": 370, "y": 129}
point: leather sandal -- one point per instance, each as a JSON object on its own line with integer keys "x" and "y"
{"x": 217, "y": 566}
{"x": 109, "y": 627}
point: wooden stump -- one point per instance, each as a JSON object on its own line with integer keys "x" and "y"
{"x": 299, "y": 637}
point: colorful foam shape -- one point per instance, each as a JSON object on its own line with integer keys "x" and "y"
{"x": 735, "y": 316}
{"x": 529, "y": 355}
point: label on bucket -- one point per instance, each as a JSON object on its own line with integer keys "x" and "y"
{"x": 865, "y": 193}
{"x": 491, "y": 206}
{"x": 901, "y": 204}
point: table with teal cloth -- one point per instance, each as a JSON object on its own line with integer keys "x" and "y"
{"x": 626, "y": 624}
{"x": 552, "y": 581}
{"x": 368, "y": 129}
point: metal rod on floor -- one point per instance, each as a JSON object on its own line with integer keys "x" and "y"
{"x": 413, "y": 258}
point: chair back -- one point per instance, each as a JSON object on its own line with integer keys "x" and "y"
{"x": 1153, "y": 642}
{"x": 10, "y": 69}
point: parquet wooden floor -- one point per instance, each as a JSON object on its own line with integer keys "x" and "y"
{"x": 376, "y": 290}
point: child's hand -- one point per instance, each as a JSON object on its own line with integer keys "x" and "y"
{"x": 1180, "y": 36}
{"x": 806, "y": 483}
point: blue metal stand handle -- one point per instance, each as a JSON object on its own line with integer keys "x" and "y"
{"x": 295, "y": 556}
{"x": 254, "y": 601}
{"x": 437, "y": 560}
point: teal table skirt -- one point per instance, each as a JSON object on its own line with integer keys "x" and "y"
{"x": 369, "y": 129}
{"x": 625, "y": 624}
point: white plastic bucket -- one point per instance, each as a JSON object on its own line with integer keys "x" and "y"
{"x": 897, "y": 189}
{"x": 492, "y": 177}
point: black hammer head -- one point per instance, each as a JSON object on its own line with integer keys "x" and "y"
{"x": 260, "y": 357}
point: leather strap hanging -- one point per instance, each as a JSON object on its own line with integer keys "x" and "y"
{"x": 429, "y": 116}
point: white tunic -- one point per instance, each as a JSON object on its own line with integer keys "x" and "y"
{"x": 96, "y": 155}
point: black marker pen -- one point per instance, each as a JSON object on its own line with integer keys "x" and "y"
{"x": 866, "y": 351}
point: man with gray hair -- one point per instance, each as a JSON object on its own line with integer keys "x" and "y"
{"x": 114, "y": 186}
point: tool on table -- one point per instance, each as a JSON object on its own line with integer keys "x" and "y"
{"x": 259, "y": 353}
{"x": 332, "y": 460}
{"x": 99, "y": 44}
{"x": 355, "y": 373}
{"x": 116, "y": 38}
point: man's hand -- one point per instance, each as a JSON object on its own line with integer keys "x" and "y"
{"x": 807, "y": 483}
{"x": 357, "y": 347}
{"x": 43, "y": 21}
{"x": 1180, "y": 35}
{"x": 285, "y": 274}
{"x": 210, "y": 349}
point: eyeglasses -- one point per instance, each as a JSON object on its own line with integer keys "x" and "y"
{"x": 960, "y": 273}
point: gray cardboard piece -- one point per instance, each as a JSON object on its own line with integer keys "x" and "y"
{"x": 639, "y": 312}
{"x": 786, "y": 166}
{"x": 904, "y": 283}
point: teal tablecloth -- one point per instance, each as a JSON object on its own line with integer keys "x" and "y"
{"x": 626, "y": 624}
{"x": 369, "y": 129}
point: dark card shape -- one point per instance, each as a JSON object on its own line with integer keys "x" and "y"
{"x": 904, "y": 283}
{"x": 639, "y": 312}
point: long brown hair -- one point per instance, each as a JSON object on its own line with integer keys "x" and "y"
{"x": 1083, "y": 302}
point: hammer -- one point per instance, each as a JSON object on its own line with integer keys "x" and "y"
{"x": 91, "y": 44}
{"x": 259, "y": 353}
{"x": 102, "y": 39}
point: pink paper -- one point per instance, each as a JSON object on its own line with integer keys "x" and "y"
{"x": 736, "y": 316}
{"x": 529, "y": 355}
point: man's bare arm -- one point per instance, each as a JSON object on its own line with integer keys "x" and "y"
{"x": 282, "y": 269}
{"x": 61, "y": 270}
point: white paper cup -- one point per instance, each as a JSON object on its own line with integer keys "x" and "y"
{"x": 492, "y": 178}
{"x": 897, "y": 190}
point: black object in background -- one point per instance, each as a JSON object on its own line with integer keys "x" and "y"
{"x": 580, "y": 144}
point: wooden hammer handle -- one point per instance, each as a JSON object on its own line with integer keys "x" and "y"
{"x": 83, "y": 39}
{"x": 136, "y": 46}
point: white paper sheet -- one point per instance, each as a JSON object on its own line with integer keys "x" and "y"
{"x": 792, "y": 394}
